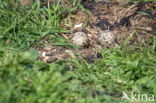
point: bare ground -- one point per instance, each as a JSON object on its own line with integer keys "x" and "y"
{"x": 123, "y": 19}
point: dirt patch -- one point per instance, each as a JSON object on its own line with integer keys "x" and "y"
{"x": 121, "y": 19}
{"x": 114, "y": 16}
{"x": 56, "y": 53}
{"x": 26, "y": 2}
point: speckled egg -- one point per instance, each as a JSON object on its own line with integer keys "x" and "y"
{"x": 80, "y": 38}
{"x": 106, "y": 37}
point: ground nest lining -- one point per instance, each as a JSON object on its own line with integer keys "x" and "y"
{"x": 121, "y": 20}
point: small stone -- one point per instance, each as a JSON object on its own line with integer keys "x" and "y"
{"x": 106, "y": 37}
{"x": 44, "y": 54}
{"x": 80, "y": 38}
{"x": 78, "y": 26}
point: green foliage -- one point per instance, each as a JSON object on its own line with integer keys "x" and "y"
{"x": 21, "y": 27}
{"x": 24, "y": 79}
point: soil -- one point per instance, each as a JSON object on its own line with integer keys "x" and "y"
{"x": 26, "y": 2}
{"x": 121, "y": 18}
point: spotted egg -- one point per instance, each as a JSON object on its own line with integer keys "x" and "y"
{"x": 80, "y": 38}
{"x": 106, "y": 37}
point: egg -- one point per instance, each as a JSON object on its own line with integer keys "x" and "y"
{"x": 106, "y": 37}
{"x": 80, "y": 38}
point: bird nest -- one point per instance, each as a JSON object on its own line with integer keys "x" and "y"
{"x": 106, "y": 25}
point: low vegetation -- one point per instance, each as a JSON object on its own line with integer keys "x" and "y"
{"x": 25, "y": 79}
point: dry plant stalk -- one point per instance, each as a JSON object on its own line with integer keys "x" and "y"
{"x": 128, "y": 11}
